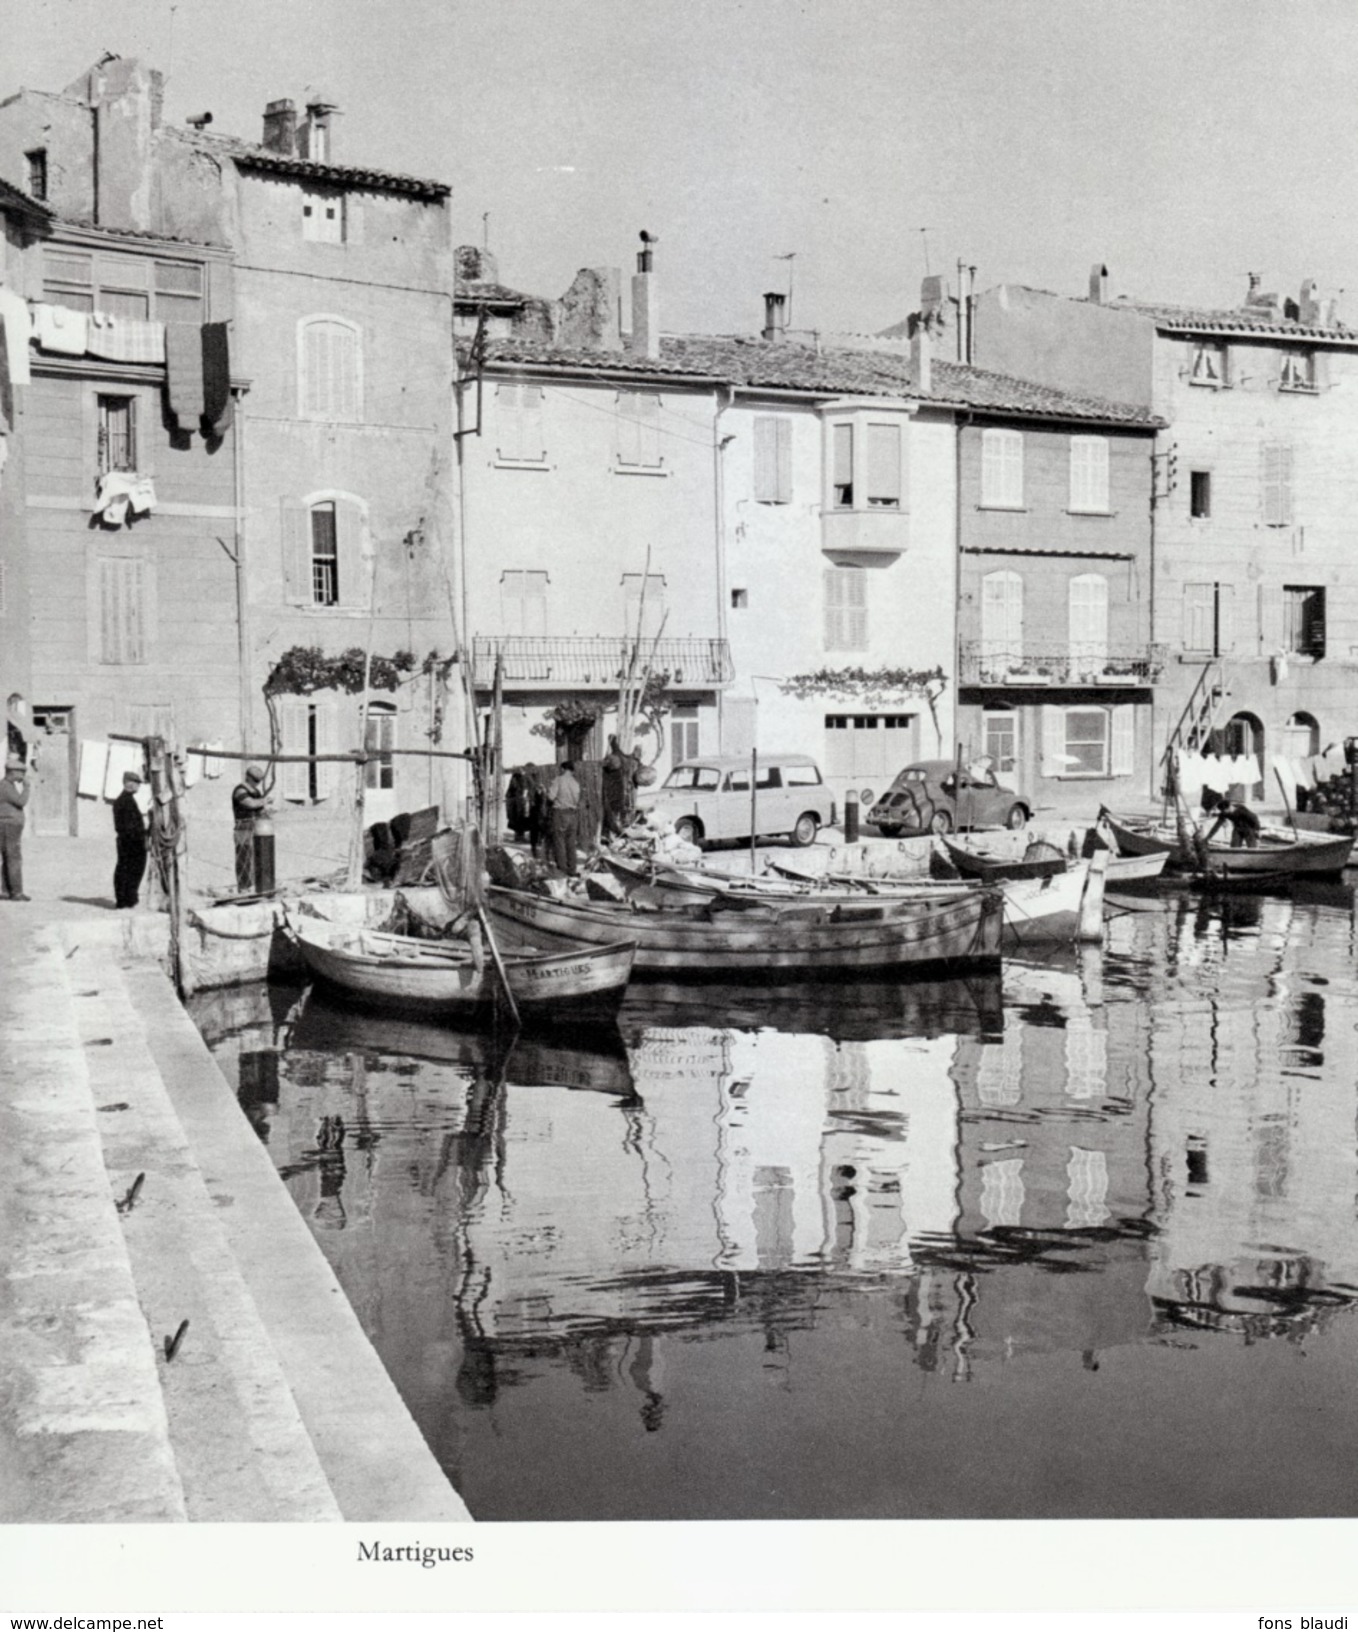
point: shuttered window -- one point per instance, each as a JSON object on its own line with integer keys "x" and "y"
{"x": 1303, "y": 608}
{"x": 772, "y": 459}
{"x": 380, "y": 739}
{"x": 123, "y": 609}
{"x": 884, "y": 466}
{"x": 683, "y": 732}
{"x": 308, "y": 726}
{"x": 1209, "y": 618}
{"x": 331, "y": 370}
{"x": 639, "y": 430}
{"x": 1088, "y": 620}
{"x": 1002, "y": 469}
{"x": 1277, "y": 484}
{"x": 846, "y": 609}
{"x": 519, "y": 424}
{"x": 323, "y": 553}
{"x": 1089, "y": 473}
{"x": 1002, "y": 620}
{"x": 117, "y": 434}
{"x": 842, "y": 475}
{"x": 523, "y": 602}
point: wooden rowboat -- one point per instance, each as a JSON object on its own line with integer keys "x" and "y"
{"x": 439, "y": 977}
{"x": 975, "y": 860}
{"x": 1309, "y": 854}
{"x": 777, "y": 939}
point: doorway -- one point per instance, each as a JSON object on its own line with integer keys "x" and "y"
{"x": 54, "y": 780}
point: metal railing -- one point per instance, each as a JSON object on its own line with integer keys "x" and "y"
{"x": 984, "y": 665}
{"x": 597, "y": 662}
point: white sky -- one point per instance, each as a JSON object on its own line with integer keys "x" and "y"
{"x": 1185, "y": 142}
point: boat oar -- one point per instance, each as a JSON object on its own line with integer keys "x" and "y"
{"x": 1287, "y": 803}
{"x": 499, "y": 963}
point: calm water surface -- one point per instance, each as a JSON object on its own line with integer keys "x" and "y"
{"x": 1080, "y": 1240}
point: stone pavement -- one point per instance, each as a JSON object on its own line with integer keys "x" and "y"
{"x": 134, "y": 1197}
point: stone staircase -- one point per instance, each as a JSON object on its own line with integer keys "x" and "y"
{"x": 134, "y": 1197}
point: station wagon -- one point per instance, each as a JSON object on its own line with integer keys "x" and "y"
{"x": 710, "y": 799}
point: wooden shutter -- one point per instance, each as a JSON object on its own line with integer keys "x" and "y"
{"x": 843, "y": 459}
{"x": 1088, "y": 616}
{"x": 648, "y": 420}
{"x": 293, "y": 714}
{"x": 1124, "y": 739}
{"x": 1225, "y": 608}
{"x": 884, "y": 463}
{"x": 353, "y": 569}
{"x": 766, "y": 459}
{"x": 1198, "y": 617}
{"x": 531, "y": 439}
{"x": 783, "y": 483}
{"x": 509, "y": 422}
{"x": 629, "y": 429}
{"x": 1002, "y": 468}
{"x": 123, "y": 612}
{"x": 295, "y": 531}
{"x": 1275, "y": 625}
{"x": 328, "y": 781}
{"x": 1002, "y": 618}
{"x": 1053, "y": 740}
{"x": 1277, "y": 484}
{"x": 846, "y": 609}
{"x": 1089, "y": 473}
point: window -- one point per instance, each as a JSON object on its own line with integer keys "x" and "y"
{"x": 805, "y": 776}
{"x": 380, "y": 738}
{"x": 178, "y": 292}
{"x": 846, "y": 609}
{"x": 330, "y": 365}
{"x": 1002, "y": 621}
{"x": 643, "y": 617}
{"x": 740, "y": 600}
{"x": 639, "y": 430}
{"x": 323, "y": 217}
{"x": 123, "y": 611}
{"x": 1209, "y": 365}
{"x": 1088, "y": 741}
{"x": 1089, "y": 474}
{"x": 307, "y": 726}
{"x": 1298, "y": 371}
{"x": 1304, "y": 620}
{"x": 1209, "y": 621}
{"x": 884, "y": 466}
{"x": 117, "y": 434}
{"x": 128, "y": 286}
{"x": 1277, "y": 484}
{"x": 324, "y": 555}
{"x": 1200, "y": 493}
{"x": 683, "y": 732}
{"x": 1088, "y": 621}
{"x": 1000, "y": 736}
{"x": 1002, "y": 470}
{"x": 523, "y": 602}
{"x": 519, "y": 424}
{"x": 772, "y": 459}
{"x": 842, "y": 455}
{"x": 768, "y": 776}
{"x": 35, "y": 172}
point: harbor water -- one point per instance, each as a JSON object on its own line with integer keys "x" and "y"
{"x": 1079, "y": 1240}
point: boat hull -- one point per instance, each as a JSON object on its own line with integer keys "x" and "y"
{"x": 780, "y": 939}
{"x": 1312, "y": 855}
{"x": 1064, "y": 908}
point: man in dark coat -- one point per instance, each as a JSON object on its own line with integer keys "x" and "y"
{"x": 247, "y": 800}
{"x": 14, "y": 792}
{"x": 619, "y": 776}
{"x": 129, "y": 831}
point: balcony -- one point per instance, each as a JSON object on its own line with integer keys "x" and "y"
{"x": 1049, "y": 666}
{"x": 596, "y": 662}
{"x": 885, "y": 531}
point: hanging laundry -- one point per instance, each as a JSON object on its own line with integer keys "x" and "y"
{"x": 121, "y": 493}
{"x": 217, "y": 406}
{"x": 193, "y": 768}
{"x": 126, "y": 339}
{"x": 1284, "y": 778}
{"x": 59, "y": 329}
{"x": 93, "y": 769}
{"x": 18, "y": 332}
{"x": 184, "y": 373}
{"x": 122, "y": 757}
{"x": 214, "y": 767}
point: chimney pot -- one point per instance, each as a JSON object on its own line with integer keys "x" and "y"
{"x": 922, "y": 359}
{"x": 775, "y": 320}
{"x": 280, "y": 126}
{"x": 645, "y": 302}
{"x": 1098, "y": 284}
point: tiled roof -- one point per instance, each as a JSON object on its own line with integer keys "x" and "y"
{"x": 14, "y": 198}
{"x": 250, "y": 156}
{"x": 1198, "y": 320}
{"x": 475, "y": 291}
{"x": 784, "y": 366}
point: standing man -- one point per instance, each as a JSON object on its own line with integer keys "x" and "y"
{"x": 564, "y": 798}
{"x": 14, "y": 792}
{"x": 617, "y": 775}
{"x": 247, "y": 800}
{"x": 129, "y": 831}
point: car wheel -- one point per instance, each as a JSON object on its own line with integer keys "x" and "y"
{"x": 940, "y": 822}
{"x": 806, "y": 829}
{"x": 889, "y": 830}
{"x": 689, "y": 829}
{"x": 1017, "y": 817}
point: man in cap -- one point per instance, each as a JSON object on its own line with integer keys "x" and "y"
{"x": 129, "y": 832}
{"x": 14, "y": 793}
{"x": 247, "y": 800}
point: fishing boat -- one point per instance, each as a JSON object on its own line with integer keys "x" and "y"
{"x": 1278, "y": 852}
{"x": 1061, "y": 908}
{"x": 440, "y": 977}
{"x": 774, "y": 939}
{"x": 978, "y": 858}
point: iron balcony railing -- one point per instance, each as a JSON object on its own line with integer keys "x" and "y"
{"x": 597, "y": 662}
{"x": 985, "y": 665}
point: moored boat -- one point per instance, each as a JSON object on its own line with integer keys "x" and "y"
{"x": 1064, "y": 907}
{"x": 976, "y": 859}
{"x": 1277, "y": 852}
{"x": 440, "y": 977}
{"x": 775, "y": 939}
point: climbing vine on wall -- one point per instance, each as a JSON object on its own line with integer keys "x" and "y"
{"x": 304, "y": 669}
{"x": 876, "y": 687}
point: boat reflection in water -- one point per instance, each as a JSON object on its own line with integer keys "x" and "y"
{"x": 904, "y": 1250}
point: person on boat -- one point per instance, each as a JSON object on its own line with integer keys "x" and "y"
{"x": 129, "y": 834}
{"x": 248, "y": 799}
{"x": 619, "y": 779}
{"x": 564, "y": 798}
{"x": 1243, "y": 822}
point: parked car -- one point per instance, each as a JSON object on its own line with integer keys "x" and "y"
{"x": 928, "y": 798}
{"x": 709, "y": 799}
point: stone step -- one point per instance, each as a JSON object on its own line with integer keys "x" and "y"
{"x": 240, "y": 1447}
{"x": 84, "y": 1435}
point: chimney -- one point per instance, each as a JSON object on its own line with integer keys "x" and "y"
{"x": 280, "y": 126}
{"x": 775, "y": 316}
{"x": 1098, "y": 284}
{"x": 586, "y": 316}
{"x": 318, "y": 133}
{"x": 476, "y": 265}
{"x": 645, "y": 302}
{"x": 1309, "y": 308}
{"x": 922, "y": 359}
{"x": 933, "y": 302}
